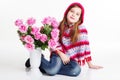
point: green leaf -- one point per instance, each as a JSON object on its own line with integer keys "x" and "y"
{"x": 46, "y": 29}
{"x": 29, "y": 30}
{"x": 44, "y": 46}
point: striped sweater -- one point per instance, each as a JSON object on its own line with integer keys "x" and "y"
{"x": 80, "y": 50}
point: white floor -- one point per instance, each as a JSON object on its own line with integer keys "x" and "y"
{"x": 13, "y": 57}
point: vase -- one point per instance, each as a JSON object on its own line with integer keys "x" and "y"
{"x": 35, "y": 61}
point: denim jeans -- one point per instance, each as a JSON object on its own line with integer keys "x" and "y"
{"x": 56, "y": 66}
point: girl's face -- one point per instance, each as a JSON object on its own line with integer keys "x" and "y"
{"x": 73, "y": 15}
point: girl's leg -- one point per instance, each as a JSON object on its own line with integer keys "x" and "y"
{"x": 50, "y": 67}
{"x": 53, "y": 66}
{"x": 70, "y": 69}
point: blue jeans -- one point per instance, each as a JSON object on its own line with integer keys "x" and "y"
{"x": 56, "y": 66}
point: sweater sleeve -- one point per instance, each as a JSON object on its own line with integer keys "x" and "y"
{"x": 84, "y": 38}
{"x": 87, "y": 53}
{"x": 58, "y": 47}
{"x": 87, "y": 47}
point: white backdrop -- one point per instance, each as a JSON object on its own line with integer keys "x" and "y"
{"x": 101, "y": 19}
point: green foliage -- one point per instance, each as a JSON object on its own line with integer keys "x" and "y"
{"x": 38, "y": 43}
{"x": 47, "y": 30}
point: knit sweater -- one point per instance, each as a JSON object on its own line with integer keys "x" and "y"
{"x": 80, "y": 50}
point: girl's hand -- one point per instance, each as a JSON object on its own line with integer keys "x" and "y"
{"x": 94, "y": 66}
{"x": 65, "y": 59}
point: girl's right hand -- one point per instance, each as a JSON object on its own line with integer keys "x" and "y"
{"x": 65, "y": 59}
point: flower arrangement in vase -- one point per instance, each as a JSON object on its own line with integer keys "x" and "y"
{"x": 36, "y": 39}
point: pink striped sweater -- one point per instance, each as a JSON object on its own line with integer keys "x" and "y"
{"x": 80, "y": 50}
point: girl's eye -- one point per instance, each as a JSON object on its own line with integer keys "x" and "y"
{"x": 77, "y": 14}
{"x": 71, "y": 11}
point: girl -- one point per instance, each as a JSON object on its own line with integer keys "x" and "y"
{"x": 73, "y": 50}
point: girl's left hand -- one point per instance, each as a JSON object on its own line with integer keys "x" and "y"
{"x": 94, "y": 66}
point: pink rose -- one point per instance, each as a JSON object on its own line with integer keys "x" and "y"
{"x": 55, "y": 34}
{"x": 31, "y": 21}
{"x": 29, "y": 46}
{"x": 52, "y": 44}
{"x": 23, "y": 28}
{"x": 54, "y": 23}
{"x": 35, "y": 30}
{"x": 47, "y": 20}
{"x": 18, "y": 22}
{"x": 43, "y": 37}
{"x": 28, "y": 39}
{"x": 37, "y": 36}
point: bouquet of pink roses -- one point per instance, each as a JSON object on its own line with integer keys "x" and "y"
{"x": 43, "y": 37}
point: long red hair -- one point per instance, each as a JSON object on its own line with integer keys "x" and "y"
{"x": 74, "y": 32}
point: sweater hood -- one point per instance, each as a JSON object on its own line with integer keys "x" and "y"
{"x": 72, "y": 5}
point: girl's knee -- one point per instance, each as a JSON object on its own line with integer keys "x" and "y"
{"x": 54, "y": 67}
{"x": 52, "y": 71}
{"x": 76, "y": 71}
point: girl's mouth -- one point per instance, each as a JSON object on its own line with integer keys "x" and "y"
{"x": 72, "y": 18}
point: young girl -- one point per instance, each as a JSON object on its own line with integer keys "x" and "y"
{"x": 73, "y": 50}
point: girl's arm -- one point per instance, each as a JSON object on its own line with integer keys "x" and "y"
{"x": 87, "y": 50}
